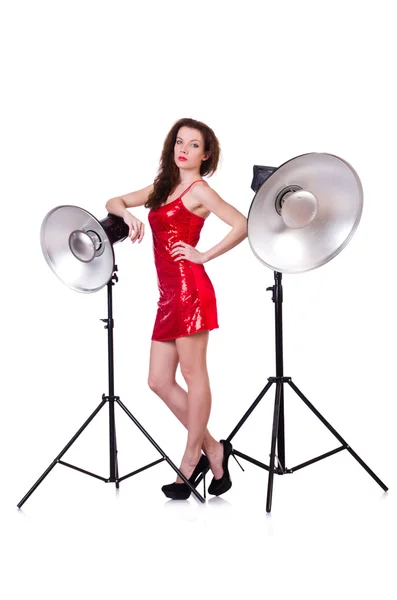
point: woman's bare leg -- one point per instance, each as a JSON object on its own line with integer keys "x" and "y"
{"x": 192, "y": 350}
{"x": 164, "y": 359}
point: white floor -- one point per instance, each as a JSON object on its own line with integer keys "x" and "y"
{"x": 331, "y": 534}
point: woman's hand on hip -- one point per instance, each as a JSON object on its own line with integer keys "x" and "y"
{"x": 183, "y": 251}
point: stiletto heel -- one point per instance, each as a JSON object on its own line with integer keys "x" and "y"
{"x": 181, "y": 491}
{"x": 222, "y": 485}
{"x": 234, "y": 456}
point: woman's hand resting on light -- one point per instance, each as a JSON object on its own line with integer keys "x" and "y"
{"x": 136, "y": 227}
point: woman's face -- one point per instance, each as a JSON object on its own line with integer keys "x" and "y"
{"x": 189, "y": 150}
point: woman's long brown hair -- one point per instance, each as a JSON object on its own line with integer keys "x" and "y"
{"x": 168, "y": 174}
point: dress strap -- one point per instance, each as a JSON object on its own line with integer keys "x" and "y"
{"x": 187, "y": 189}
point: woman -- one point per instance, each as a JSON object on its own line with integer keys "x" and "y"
{"x": 179, "y": 201}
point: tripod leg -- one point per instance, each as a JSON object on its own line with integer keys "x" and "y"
{"x": 165, "y": 457}
{"x": 281, "y": 435}
{"x": 249, "y": 411}
{"x": 66, "y": 448}
{"x": 336, "y": 434}
{"x": 279, "y": 392}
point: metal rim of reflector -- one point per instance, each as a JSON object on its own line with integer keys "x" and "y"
{"x": 77, "y": 248}
{"x": 305, "y": 213}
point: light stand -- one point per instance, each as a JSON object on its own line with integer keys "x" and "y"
{"x": 278, "y": 438}
{"x": 112, "y": 399}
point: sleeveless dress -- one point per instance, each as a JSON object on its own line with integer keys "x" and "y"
{"x": 187, "y": 301}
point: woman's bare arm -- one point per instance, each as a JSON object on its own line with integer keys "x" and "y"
{"x": 227, "y": 213}
{"x": 119, "y": 204}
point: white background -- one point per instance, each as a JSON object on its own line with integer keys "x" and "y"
{"x": 90, "y": 90}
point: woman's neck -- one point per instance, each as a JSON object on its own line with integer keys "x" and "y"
{"x": 188, "y": 178}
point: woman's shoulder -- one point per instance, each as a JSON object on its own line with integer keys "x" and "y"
{"x": 201, "y": 186}
{"x": 201, "y": 189}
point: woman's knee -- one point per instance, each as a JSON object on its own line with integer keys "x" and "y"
{"x": 159, "y": 384}
{"x": 194, "y": 373}
{"x": 162, "y": 367}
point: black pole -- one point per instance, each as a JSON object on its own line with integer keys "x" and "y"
{"x": 278, "y": 437}
{"x": 278, "y": 314}
{"x": 276, "y": 423}
{"x": 112, "y": 425}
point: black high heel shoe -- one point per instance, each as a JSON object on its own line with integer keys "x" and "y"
{"x": 222, "y": 485}
{"x": 181, "y": 491}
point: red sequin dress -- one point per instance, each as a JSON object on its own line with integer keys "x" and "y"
{"x": 187, "y": 301}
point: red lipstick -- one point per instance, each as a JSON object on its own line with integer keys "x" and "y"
{"x": 181, "y": 158}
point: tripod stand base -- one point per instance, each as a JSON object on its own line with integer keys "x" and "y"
{"x": 278, "y": 428}
{"x": 114, "y": 474}
{"x": 112, "y": 399}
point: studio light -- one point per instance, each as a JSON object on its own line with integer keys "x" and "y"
{"x": 303, "y": 214}
{"x": 79, "y": 249}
